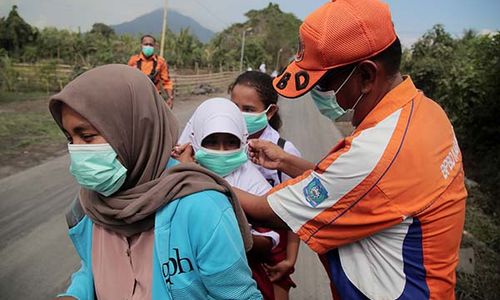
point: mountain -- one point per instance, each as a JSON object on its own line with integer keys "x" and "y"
{"x": 151, "y": 23}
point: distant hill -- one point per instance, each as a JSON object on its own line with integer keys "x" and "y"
{"x": 151, "y": 24}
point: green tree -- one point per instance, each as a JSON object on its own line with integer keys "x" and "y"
{"x": 102, "y": 29}
{"x": 8, "y": 74}
{"x": 271, "y": 31}
{"x": 187, "y": 49}
{"x": 256, "y": 53}
{"x": 277, "y": 30}
{"x": 15, "y": 33}
{"x": 462, "y": 74}
{"x": 57, "y": 44}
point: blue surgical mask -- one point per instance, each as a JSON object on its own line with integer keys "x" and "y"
{"x": 326, "y": 102}
{"x": 96, "y": 167}
{"x": 148, "y": 50}
{"x": 256, "y": 121}
{"x": 222, "y": 163}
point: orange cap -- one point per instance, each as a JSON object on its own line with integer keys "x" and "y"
{"x": 338, "y": 33}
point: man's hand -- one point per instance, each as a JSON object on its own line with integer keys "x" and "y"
{"x": 266, "y": 154}
{"x": 258, "y": 210}
{"x": 271, "y": 156}
{"x": 279, "y": 270}
{"x": 183, "y": 153}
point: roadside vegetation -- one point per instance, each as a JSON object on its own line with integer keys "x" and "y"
{"x": 27, "y": 131}
{"x": 463, "y": 75}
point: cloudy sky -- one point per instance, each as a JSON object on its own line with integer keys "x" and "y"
{"x": 412, "y": 18}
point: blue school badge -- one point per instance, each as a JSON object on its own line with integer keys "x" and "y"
{"x": 315, "y": 192}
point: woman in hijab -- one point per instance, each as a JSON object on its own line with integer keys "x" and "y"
{"x": 218, "y": 135}
{"x": 144, "y": 227}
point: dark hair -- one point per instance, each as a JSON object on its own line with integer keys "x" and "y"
{"x": 391, "y": 57}
{"x": 149, "y": 36}
{"x": 263, "y": 85}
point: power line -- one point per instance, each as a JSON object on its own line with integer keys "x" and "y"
{"x": 212, "y": 14}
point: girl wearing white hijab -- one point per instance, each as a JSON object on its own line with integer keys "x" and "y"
{"x": 220, "y": 118}
{"x": 218, "y": 135}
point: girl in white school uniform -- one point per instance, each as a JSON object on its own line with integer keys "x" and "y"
{"x": 254, "y": 94}
{"x": 218, "y": 135}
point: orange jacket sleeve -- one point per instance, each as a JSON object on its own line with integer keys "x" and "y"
{"x": 165, "y": 76}
{"x": 132, "y": 61}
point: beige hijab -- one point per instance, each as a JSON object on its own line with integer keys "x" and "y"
{"x": 125, "y": 108}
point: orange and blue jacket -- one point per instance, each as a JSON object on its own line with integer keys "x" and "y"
{"x": 161, "y": 77}
{"x": 385, "y": 209}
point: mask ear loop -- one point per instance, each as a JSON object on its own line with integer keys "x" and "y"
{"x": 244, "y": 146}
{"x": 246, "y": 149}
{"x": 357, "y": 101}
{"x": 349, "y": 113}
{"x": 346, "y": 80}
{"x": 268, "y": 108}
{"x": 259, "y": 113}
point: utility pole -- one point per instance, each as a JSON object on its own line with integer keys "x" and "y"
{"x": 164, "y": 28}
{"x": 278, "y": 59}
{"x": 243, "y": 47}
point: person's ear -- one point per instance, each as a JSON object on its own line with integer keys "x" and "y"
{"x": 369, "y": 71}
{"x": 273, "y": 109}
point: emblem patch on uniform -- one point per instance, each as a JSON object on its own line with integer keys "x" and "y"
{"x": 315, "y": 192}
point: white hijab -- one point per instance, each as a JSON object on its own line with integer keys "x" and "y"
{"x": 222, "y": 115}
{"x": 215, "y": 115}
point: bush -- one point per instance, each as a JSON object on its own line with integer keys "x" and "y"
{"x": 8, "y": 74}
{"x": 462, "y": 74}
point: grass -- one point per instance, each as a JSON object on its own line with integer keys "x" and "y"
{"x": 28, "y": 133}
{"x": 19, "y": 130}
{"x": 483, "y": 235}
{"x": 8, "y": 97}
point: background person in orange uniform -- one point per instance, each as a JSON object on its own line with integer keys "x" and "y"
{"x": 385, "y": 208}
{"x": 155, "y": 67}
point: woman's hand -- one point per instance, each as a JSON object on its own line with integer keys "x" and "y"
{"x": 170, "y": 102}
{"x": 266, "y": 154}
{"x": 183, "y": 153}
{"x": 279, "y": 270}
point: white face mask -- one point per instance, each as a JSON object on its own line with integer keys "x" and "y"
{"x": 349, "y": 114}
{"x": 256, "y": 121}
{"x": 96, "y": 167}
{"x": 329, "y": 100}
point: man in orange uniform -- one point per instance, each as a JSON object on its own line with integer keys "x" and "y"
{"x": 385, "y": 208}
{"x": 154, "y": 66}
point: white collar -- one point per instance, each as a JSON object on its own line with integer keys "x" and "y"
{"x": 270, "y": 134}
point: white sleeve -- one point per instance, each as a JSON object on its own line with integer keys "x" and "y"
{"x": 290, "y": 148}
{"x": 254, "y": 180}
{"x": 273, "y": 235}
{"x": 249, "y": 179}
